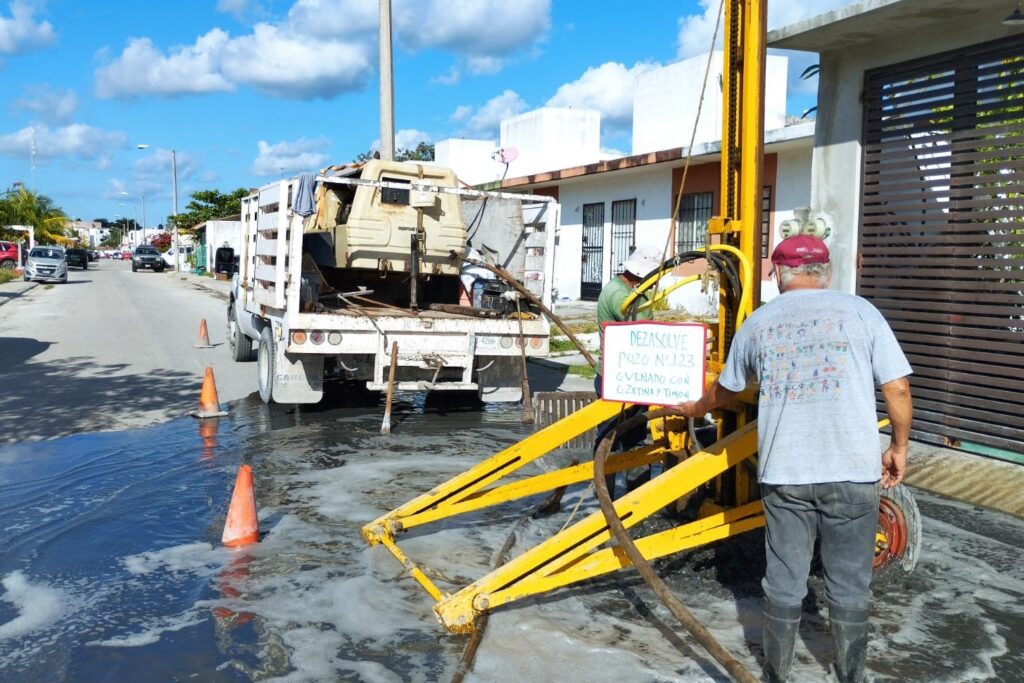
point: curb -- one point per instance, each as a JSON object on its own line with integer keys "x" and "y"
{"x": 6, "y": 300}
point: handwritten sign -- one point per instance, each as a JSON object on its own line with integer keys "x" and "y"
{"x": 653, "y": 363}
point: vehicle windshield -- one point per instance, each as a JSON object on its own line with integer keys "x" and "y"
{"x": 40, "y": 252}
{"x": 145, "y": 250}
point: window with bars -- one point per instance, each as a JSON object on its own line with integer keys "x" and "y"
{"x": 766, "y": 220}
{"x": 692, "y": 221}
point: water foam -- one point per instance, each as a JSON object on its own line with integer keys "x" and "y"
{"x": 38, "y": 605}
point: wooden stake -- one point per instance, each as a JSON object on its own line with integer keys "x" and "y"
{"x": 385, "y": 427}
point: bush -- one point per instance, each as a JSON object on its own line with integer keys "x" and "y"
{"x": 6, "y": 275}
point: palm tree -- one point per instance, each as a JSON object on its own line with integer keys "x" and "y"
{"x": 25, "y": 207}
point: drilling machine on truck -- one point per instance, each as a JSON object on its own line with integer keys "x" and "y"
{"x": 720, "y": 477}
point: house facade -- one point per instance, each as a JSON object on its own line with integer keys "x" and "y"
{"x": 919, "y": 167}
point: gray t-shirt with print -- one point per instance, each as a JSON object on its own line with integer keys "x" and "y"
{"x": 818, "y": 355}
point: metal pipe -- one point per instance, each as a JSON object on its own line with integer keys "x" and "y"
{"x": 387, "y": 88}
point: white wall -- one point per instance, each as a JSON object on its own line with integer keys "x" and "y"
{"x": 470, "y": 159}
{"x": 652, "y": 190}
{"x": 219, "y": 234}
{"x": 665, "y": 102}
{"x": 836, "y": 170}
{"x": 552, "y": 138}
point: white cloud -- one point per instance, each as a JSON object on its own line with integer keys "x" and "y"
{"x": 695, "y": 29}
{"x": 485, "y": 65}
{"x": 408, "y": 138}
{"x": 323, "y": 48}
{"x": 451, "y": 77}
{"x": 484, "y": 122}
{"x": 74, "y": 140}
{"x": 271, "y": 59}
{"x": 53, "y": 105}
{"x": 21, "y": 32}
{"x": 241, "y": 9}
{"x": 285, "y": 64}
{"x": 607, "y": 88}
{"x": 142, "y": 69}
{"x": 290, "y": 157}
{"x": 461, "y": 113}
{"x": 153, "y": 167}
{"x": 476, "y": 28}
{"x": 334, "y": 18}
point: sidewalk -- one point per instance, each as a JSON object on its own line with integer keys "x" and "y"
{"x": 9, "y": 291}
{"x": 221, "y": 288}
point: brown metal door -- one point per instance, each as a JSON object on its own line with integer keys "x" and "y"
{"x": 942, "y": 237}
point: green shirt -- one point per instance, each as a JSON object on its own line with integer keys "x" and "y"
{"x": 609, "y": 304}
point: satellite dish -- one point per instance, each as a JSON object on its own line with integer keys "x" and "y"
{"x": 508, "y": 154}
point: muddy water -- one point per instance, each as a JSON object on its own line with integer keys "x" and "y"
{"x": 111, "y": 569}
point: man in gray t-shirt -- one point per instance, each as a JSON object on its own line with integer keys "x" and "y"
{"x": 817, "y": 356}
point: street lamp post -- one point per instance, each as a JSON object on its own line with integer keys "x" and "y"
{"x": 174, "y": 205}
{"x": 135, "y": 223}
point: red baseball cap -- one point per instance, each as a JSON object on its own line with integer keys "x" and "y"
{"x": 800, "y": 250}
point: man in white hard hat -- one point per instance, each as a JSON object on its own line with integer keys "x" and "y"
{"x": 642, "y": 261}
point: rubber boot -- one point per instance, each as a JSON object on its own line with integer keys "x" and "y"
{"x": 849, "y": 642}
{"x": 780, "y": 628}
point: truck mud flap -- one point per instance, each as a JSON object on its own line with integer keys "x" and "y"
{"x": 298, "y": 379}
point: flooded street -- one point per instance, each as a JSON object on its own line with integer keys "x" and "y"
{"x": 111, "y": 567}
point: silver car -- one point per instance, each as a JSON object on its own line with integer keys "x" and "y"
{"x": 49, "y": 264}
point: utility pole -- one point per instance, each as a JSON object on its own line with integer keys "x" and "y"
{"x": 174, "y": 209}
{"x": 387, "y": 89}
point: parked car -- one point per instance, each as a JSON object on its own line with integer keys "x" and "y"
{"x": 184, "y": 251}
{"x": 79, "y": 258}
{"x": 94, "y": 255}
{"x": 8, "y": 255}
{"x": 147, "y": 257}
{"x": 46, "y": 264}
{"x": 126, "y": 255}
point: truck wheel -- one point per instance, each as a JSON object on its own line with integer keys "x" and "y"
{"x": 241, "y": 346}
{"x": 134, "y": 268}
{"x": 265, "y": 364}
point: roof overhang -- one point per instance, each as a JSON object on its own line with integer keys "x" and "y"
{"x": 867, "y": 21}
{"x": 777, "y": 140}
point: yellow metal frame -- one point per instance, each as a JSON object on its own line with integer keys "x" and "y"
{"x": 574, "y": 554}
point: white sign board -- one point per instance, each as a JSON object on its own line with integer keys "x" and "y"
{"x": 653, "y": 363}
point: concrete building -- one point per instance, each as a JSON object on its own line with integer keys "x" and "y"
{"x": 89, "y": 233}
{"x": 665, "y": 102}
{"x": 918, "y": 166}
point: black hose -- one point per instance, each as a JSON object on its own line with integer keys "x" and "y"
{"x": 732, "y": 665}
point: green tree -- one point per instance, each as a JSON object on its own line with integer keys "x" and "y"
{"x": 25, "y": 207}
{"x": 421, "y": 152}
{"x": 209, "y": 205}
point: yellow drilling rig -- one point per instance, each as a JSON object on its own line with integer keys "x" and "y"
{"x": 723, "y": 473}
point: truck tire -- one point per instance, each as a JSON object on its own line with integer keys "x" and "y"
{"x": 241, "y": 346}
{"x": 265, "y": 364}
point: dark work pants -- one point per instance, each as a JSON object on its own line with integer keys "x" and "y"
{"x": 845, "y": 516}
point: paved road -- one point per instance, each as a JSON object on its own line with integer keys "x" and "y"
{"x": 110, "y": 349}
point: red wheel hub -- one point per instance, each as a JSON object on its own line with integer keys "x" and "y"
{"x": 893, "y": 526}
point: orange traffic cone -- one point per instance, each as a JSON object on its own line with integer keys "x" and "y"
{"x": 242, "y": 526}
{"x": 203, "y": 342}
{"x": 209, "y": 404}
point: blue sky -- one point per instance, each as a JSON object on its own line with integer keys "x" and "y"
{"x": 242, "y": 89}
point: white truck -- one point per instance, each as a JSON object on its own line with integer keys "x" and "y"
{"x": 335, "y": 270}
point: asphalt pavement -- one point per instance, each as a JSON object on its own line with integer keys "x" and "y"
{"x": 111, "y": 349}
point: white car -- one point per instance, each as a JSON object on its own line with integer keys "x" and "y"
{"x": 49, "y": 264}
{"x": 184, "y": 251}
